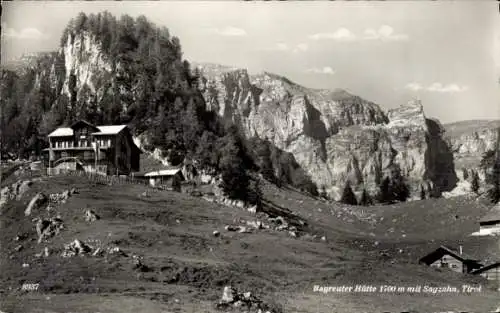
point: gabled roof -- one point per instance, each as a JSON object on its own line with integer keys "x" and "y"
{"x": 492, "y": 215}
{"x": 485, "y": 268}
{"x": 164, "y": 172}
{"x": 62, "y": 131}
{"x": 100, "y": 130}
{"x": 441, "y": 251}
{"x": 85, "y": 123}
{"x": 109, "y": 129}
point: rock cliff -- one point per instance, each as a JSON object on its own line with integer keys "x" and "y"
{"x": 333, "y": 135}
{"x": 87, "y": 68}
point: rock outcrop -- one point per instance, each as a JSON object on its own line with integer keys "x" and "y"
{"x": 36, "y": 202}
{"x": 333, "y": 135}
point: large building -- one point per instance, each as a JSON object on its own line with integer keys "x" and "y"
{"x": 104, "y": 149}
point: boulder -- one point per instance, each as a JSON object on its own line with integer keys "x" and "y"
{"x": 74, "y": 248}
{"x": 231, "y": 228}
{"x": 247, "y": 295}
{"x": 138, "y": 265}
{"x": 97, "y": 252}
{"x": 231, "y": 297}
{"x": 116, "y": 250}
{"x": 4, "y": 196}
{"x": 243, "y": 229}
{"x": 238, "y": 304}
{"x": 91, "y": 216}
{"x": 255, "y": 224}
{"x": 48, "y": 228}
{"x": 228, "y": 295}
{"x": 280, "y": 222}
{"x": 216, "y": 233}
{"x": 22, "y": 188}
{"x": 44, "y": 253}
{"x": 65, "y": 195}
{"x": 36, "y": 202}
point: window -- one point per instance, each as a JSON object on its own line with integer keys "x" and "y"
{"x": 109, "y": 142}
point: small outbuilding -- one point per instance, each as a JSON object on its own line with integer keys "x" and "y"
{"x": 490, "y": 272}
{"x": 444, "y": 257}
{"x": 170, "y": 177}
{"x": 490, "y": 223}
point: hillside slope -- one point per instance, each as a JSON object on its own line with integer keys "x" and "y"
{"x": 184, "y": 267}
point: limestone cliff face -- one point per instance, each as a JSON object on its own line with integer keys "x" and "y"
{"x": 334, "y": 136}
{"x": 90, "y": 73}
{"x": 85, "y": 64}
{"x": 79, "y": 70}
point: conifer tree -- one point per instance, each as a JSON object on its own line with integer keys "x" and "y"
{"x": 348, "y": 196}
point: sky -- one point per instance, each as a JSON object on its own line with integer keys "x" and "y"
{"x": 445, "y": 53}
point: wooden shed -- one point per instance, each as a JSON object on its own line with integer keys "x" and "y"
{"x": 490, "y": 223}
{"x": 444, "y": 257}
{"x": 490, "y": 272}
{"x": 170, "y": 177}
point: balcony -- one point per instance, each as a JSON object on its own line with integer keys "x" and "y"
{"x": 80, "y": 145}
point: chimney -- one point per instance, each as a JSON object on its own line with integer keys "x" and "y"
{"x": 460, "y": 249}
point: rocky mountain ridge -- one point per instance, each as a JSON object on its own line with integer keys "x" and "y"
{"x": 335, "y": 136}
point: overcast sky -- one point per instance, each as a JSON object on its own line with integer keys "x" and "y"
{"x": 444, "y": 52}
